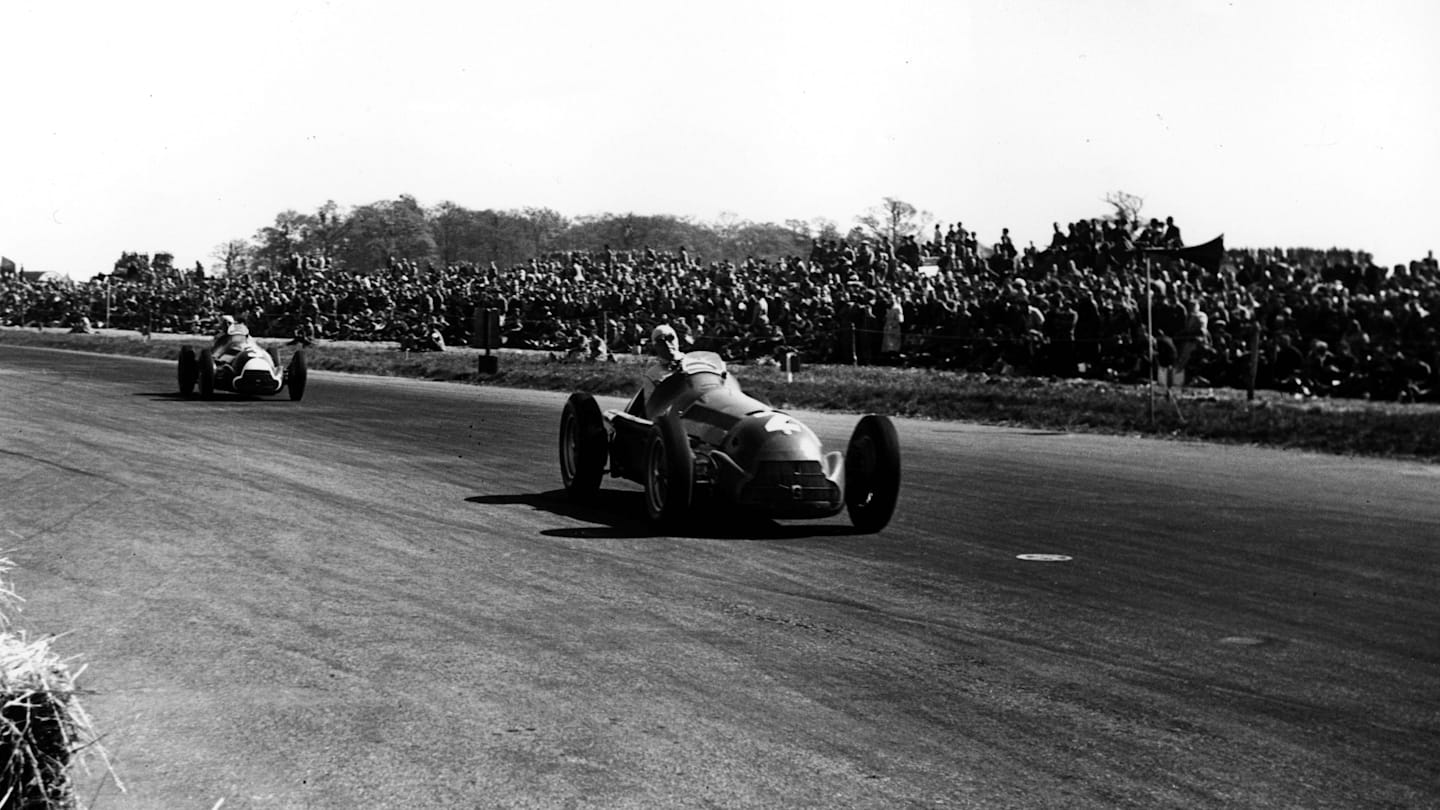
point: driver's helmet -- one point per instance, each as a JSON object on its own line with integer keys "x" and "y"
{"x": 664, "y": 342}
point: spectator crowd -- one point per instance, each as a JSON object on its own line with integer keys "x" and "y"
{"x": 1325, "y": 323}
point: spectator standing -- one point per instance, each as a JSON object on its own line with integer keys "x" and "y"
{"x": 1171, "y": 239}
{"x": 1193, "y": 338}
{"x": 894, "y": 321}
{"x": 1060, "y": 326}
{"x": 1006, "y": 247}
{"x": 909, "y": 252}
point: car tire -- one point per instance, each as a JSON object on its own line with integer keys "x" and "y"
{"x": 297, "y": 374}
{"x": 872, "y": 473}
{"x": 669, "y": 472}
{"x": 583, "y": 447}
{"x": 188, "y": 372}
{"x": 205, "y": 362}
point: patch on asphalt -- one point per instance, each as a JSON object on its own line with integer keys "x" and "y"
{"x": 1244, "y": 641}
{"x": 1044, "y": 557}
{"x": 782, "y": 619}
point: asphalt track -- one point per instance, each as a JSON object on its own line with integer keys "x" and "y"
{"x": 379, "y": 598}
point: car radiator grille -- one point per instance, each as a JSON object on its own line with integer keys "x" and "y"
{"x": 255, "y": 381}
{"x": 782, "y": 482}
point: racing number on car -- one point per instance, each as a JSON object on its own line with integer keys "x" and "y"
{"x": 781, "y": 424}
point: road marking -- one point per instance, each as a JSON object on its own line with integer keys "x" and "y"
{"x": 1044, "y": 557}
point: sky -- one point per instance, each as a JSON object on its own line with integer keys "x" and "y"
{"x": 178, "y": 126}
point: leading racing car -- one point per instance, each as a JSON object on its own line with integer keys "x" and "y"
{"x": 236, "y": 362}
{"x": 691, "y": 436}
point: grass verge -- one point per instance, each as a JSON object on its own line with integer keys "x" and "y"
{"x": 1346, "y": 427}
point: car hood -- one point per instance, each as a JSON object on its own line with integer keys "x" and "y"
{"x": 748, "y": 430}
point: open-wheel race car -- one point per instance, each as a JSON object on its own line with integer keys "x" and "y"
{"x": 690, "y": 436}
{"x": 238, "y": 363}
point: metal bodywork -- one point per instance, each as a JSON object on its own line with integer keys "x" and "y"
{"x": 236, "y": 362}
{"x": 746, "y": 453}
{"x": 245, "y": 367}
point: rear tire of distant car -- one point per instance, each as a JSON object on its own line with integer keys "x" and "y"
{"x": 583, "y": 447}
{"x": 296, "y": 375}
{"x": 205, "y": 362}
{"x": 189, "y": 371}
{"x": 669, "y": 472}
{"x": 872, "y": 473}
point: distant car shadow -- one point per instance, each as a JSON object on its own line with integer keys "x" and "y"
{"x": 1018, "y": 432}
{"x": 218, "y": 396}
{"x": 620, "y": 514}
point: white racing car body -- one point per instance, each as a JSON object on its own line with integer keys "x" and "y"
{"x": 238, "y": 363}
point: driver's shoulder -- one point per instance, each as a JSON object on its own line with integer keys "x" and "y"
{"x": 656, "y": 369}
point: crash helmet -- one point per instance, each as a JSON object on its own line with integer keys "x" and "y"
{"x": 665, "y": 341}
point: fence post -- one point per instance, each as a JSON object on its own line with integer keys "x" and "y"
{"x": 1254, "y": 361}
{"x": 486, "y": 329}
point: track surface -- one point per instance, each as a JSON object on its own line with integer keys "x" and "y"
{"x": 378, "y": 598}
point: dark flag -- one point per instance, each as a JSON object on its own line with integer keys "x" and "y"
{"x": 7, "y": 267}
{"x": 1208, "y": 255}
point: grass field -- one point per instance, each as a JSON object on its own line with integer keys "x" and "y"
{"x": 1217, "y": 415}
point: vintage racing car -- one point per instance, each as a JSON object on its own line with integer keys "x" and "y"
{"x": 691, "y": 436}
{"x": 239, "y": 364}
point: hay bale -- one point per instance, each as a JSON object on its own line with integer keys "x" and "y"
{"x": 39, "y": 725}
{"x": 43, "y": 728}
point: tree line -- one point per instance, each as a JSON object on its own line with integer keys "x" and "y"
{"x": 368, "y": 236}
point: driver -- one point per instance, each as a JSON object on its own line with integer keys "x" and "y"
{"x": 231, "y": 335}
{"x": 665, "y": 359}
{"x": 665, "y": 345}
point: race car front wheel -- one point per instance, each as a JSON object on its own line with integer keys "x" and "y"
{"x": 872, "y": 473}
{"x": 206, "y": 373}
{"x": 669, "y": 472}
{"x": 296, "y": 375}
{"x": 189, "y": 371}
{"x": 582, "y": 447}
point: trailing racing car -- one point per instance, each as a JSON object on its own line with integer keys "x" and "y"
{"x": 691, "y": 436}
{"x": 238, "y": 363}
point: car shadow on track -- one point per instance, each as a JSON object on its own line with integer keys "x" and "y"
{"x": 615, "y": 514}
{"x": 218, "y": 396}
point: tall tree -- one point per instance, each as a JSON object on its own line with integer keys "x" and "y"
{"x": 453, "y": 228}
{"x": 893, "y": 218}
{"x": 506, "y": 238}
{"x": 384, "y": 230}
{"x": 275, "y": 244}
{"x": 1127, "y": 206}
{"x": 328, "y": 231}
{"x": 234, "y": 256}
{"x": 636, "y": 232}
{"x": 826, "y": 229}
{"x": 544, "y": 226}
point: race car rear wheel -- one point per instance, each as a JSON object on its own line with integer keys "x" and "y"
{"x": 205, "y": 362}
{"x": 872, "y": 473}
{"x": 296, "y": 375}
{"x": 189, "y": 371}
{"x": 583, "y": 447}
{"x": 669, "y": 472}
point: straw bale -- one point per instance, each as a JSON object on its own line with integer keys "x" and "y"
{"x": 44, "y": 731}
